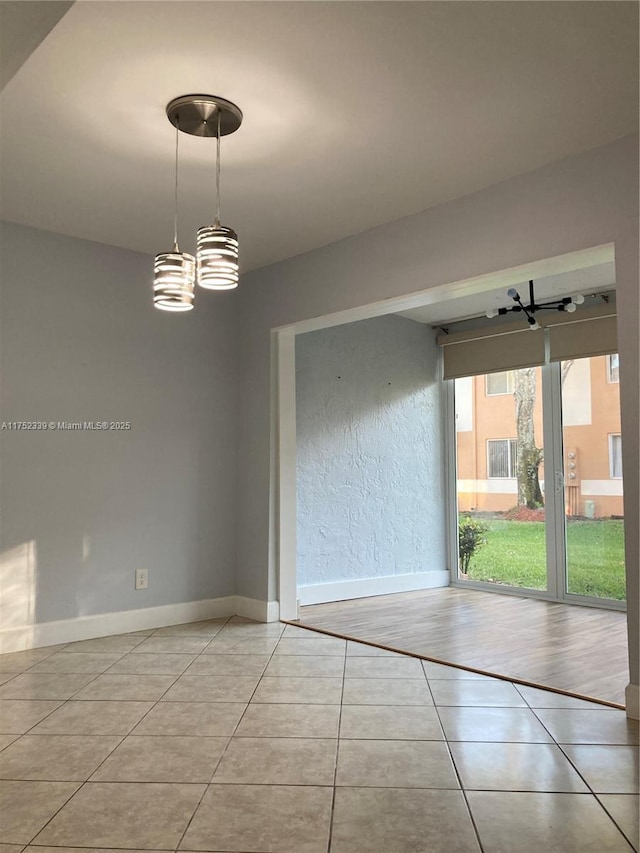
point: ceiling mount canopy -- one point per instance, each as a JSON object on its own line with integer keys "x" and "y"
{"x": 198, "y": 115}
{"x": 216, "y": 264}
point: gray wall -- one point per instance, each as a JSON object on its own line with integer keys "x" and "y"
{"x": 82, "y": 342}
{"x": 370, "y": 497}
{"x": 581, "y": 201}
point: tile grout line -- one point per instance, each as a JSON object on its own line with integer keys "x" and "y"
{"x": 82, "y": 784}
{"x": 68, "y": 800}
{"x": 75, "y": 693}
{"x": 335, "y": 769}
{"x": 589, "y": 792}
{"x": 63, "y": 702}
{"x": 305, "y": 785}
{"x": 568, "y": 757}
{"x": 154, "y": 705}
{"x": 610, "y": 816}
{"x": 455, "y": 768}
{"x": 593, "y": 793}
{"x": 224, "y": 752}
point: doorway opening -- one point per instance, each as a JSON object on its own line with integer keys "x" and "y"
{"x": 561, "y": 538}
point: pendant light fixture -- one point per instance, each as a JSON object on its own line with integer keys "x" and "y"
{"x": 216, "y": 267}
{"x": 174, "y": 271}
{"x": 217, "y": 246}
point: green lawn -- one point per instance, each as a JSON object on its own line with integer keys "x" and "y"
{"x": 515, "y": 555}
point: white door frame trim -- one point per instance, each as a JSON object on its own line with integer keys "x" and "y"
{"x": 285, "y": 353}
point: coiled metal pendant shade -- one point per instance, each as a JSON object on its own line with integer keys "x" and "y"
{"x": 175, "y": 271}
{"x": 174, "y": 281}
{"x": 217, "y": 254}
{"x": 217, "y": 247}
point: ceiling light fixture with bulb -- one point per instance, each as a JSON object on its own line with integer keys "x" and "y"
{"x": 215, "y": 266}
{"x": 567, "y": 303}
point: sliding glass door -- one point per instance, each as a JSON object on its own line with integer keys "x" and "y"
{"x": 538, "y": 483}
{"x": 592, "y": 474}
{"x": 500, "y": 479}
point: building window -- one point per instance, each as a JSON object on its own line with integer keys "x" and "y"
{"x": 615, "y": 456}
{"x": 613, "y": 367}
{"x": 499, "y": 383}
{"x": 502, "y": 458}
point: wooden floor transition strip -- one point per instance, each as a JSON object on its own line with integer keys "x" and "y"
{"x": 521, "y": 681}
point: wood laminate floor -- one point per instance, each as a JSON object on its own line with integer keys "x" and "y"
{"x": 582, "y": 650}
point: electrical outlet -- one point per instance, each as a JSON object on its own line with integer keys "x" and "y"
{"x": 142, "y": 579}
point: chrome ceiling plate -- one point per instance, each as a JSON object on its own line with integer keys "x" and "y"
{"x": 198, "y": 115}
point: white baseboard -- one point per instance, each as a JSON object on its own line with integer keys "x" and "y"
{"x": 321, "y": 593}
{"x": 123, "y": 622}
{"x": 261, "y": 611}
{"x": 632, "y": 701}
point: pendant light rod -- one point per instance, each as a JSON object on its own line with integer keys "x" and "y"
{"x": 175, "y": 195}
{"x": 217, "y": 219}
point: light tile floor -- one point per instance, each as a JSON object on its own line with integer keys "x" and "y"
{"x": 239, "y": 737}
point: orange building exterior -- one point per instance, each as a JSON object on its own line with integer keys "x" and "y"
{"x": 486, "y": 440}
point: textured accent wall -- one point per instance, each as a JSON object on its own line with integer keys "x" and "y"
{"x": 369, "y": 452}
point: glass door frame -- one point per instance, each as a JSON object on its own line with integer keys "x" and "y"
{"x": 556, "y": 548}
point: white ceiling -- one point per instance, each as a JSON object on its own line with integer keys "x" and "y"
{"x": 356, "y": 113}
{"x": 22, "y": 27}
